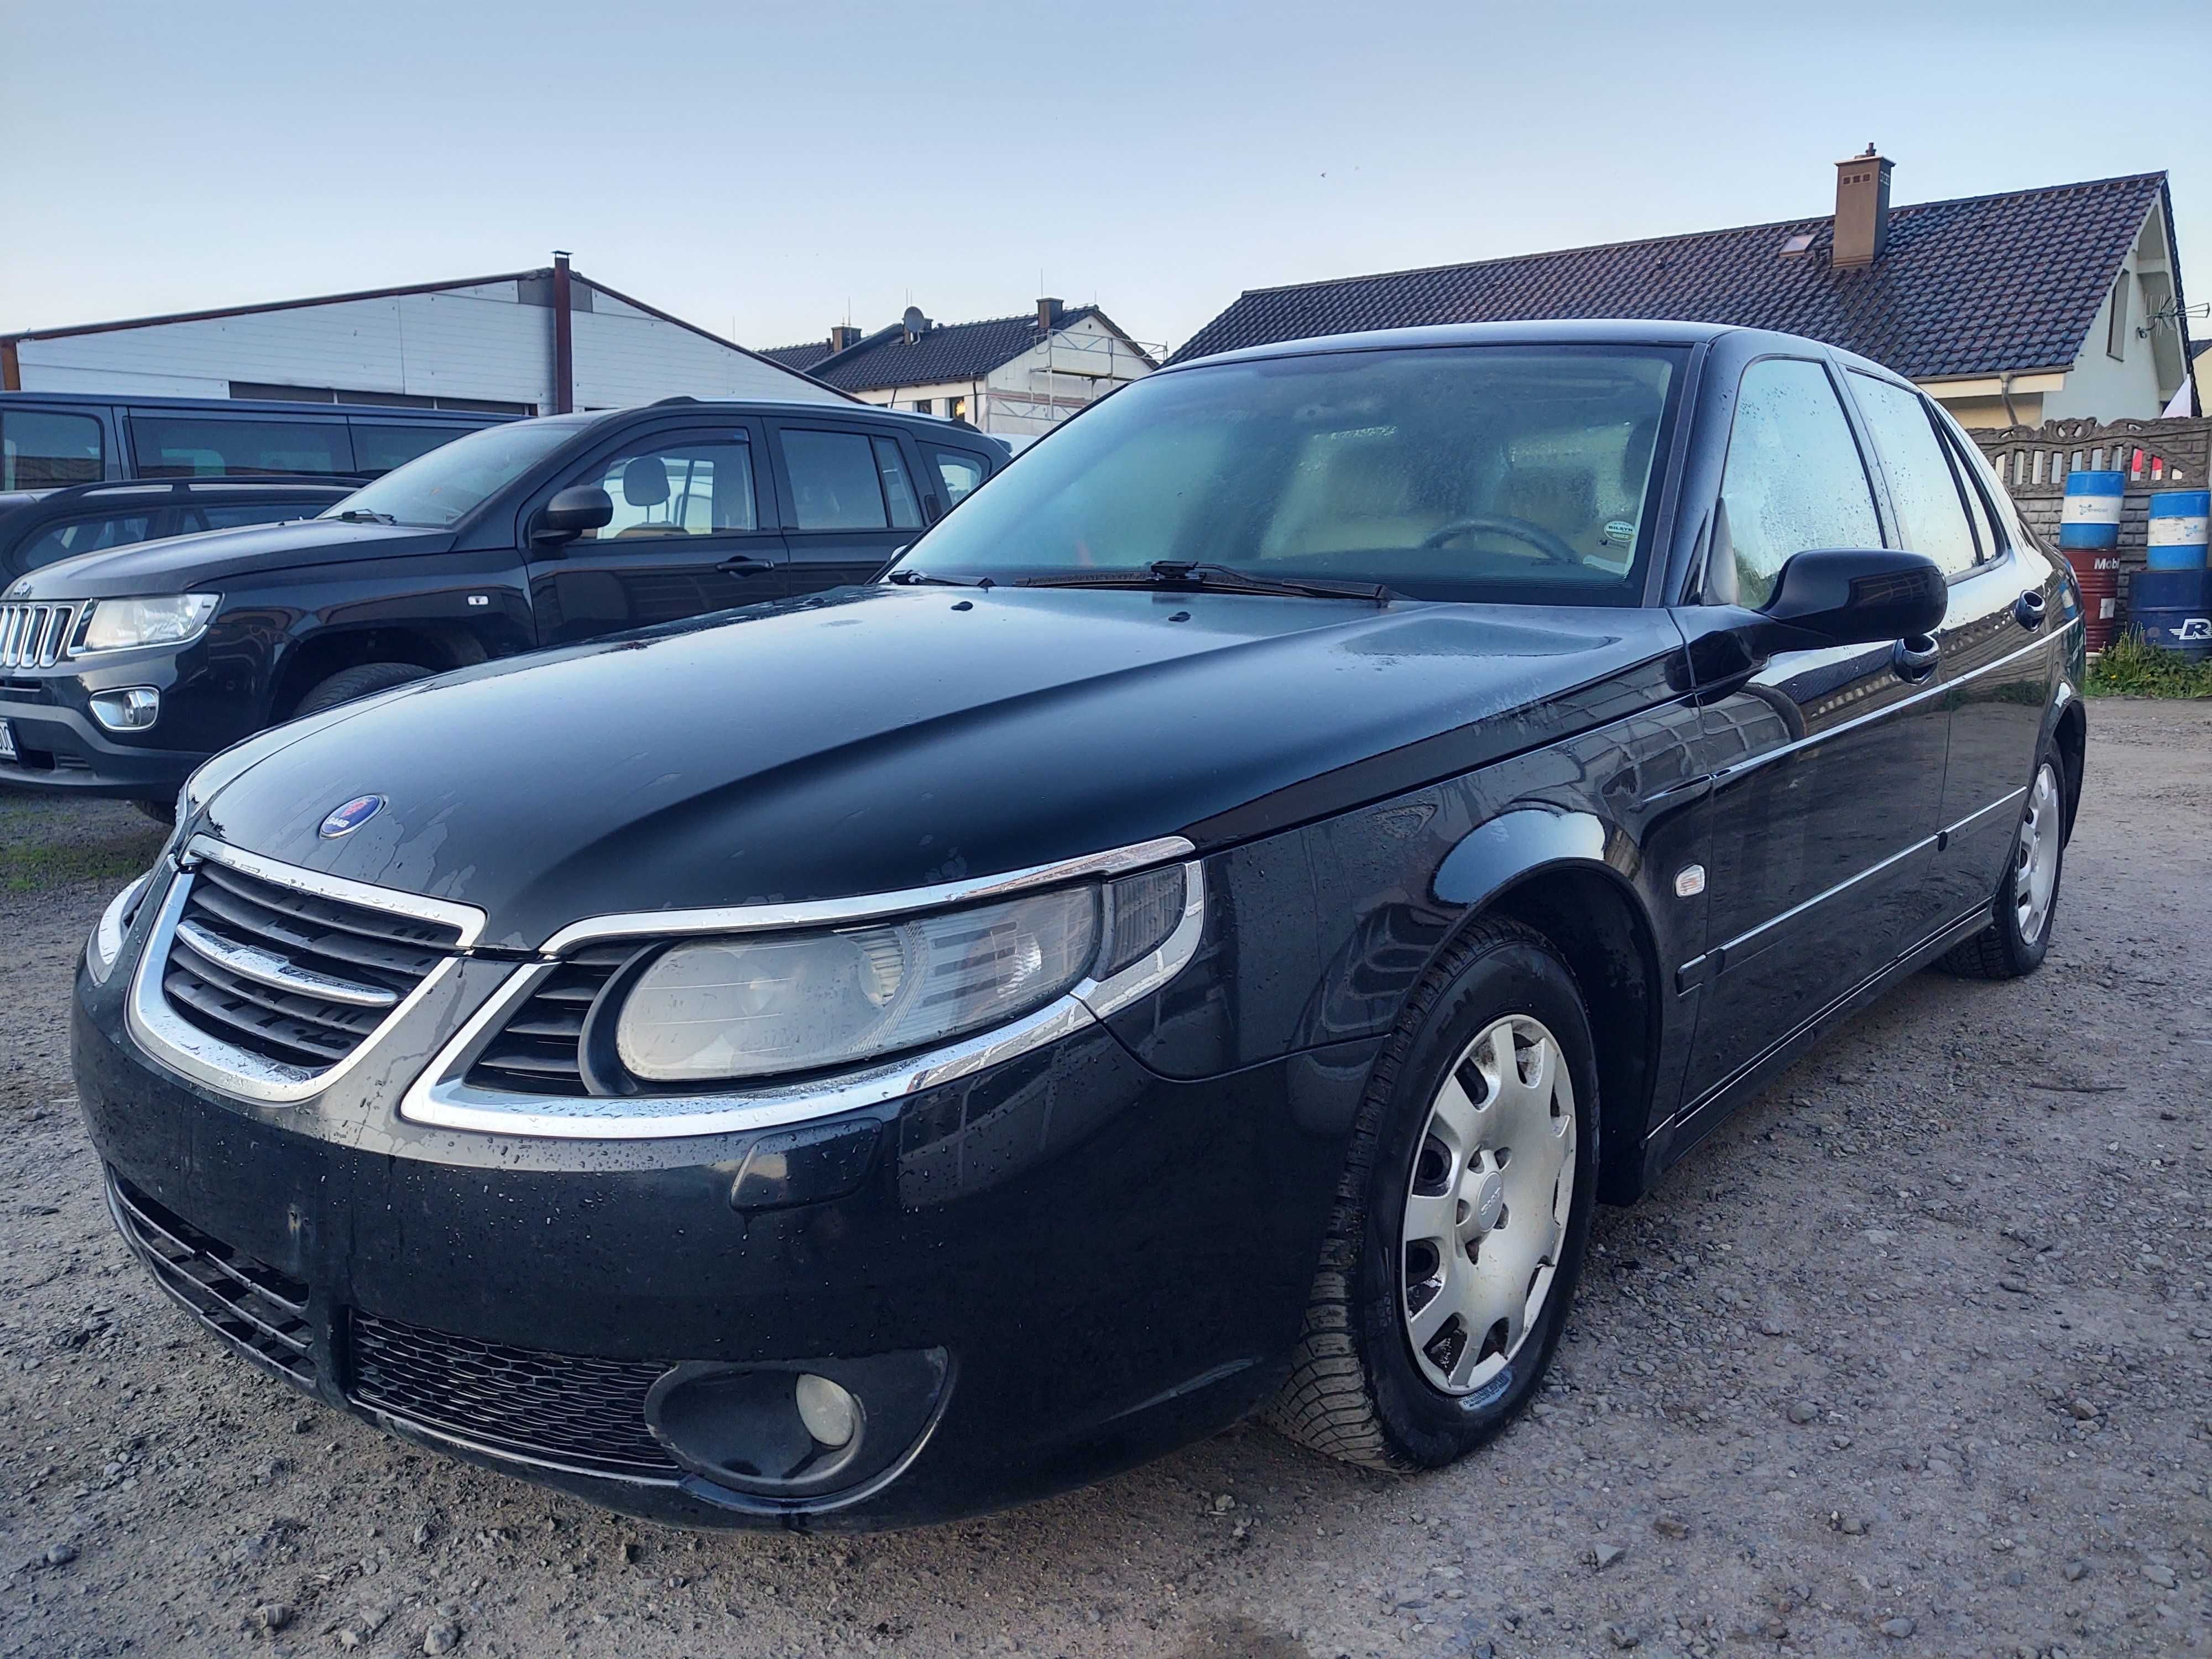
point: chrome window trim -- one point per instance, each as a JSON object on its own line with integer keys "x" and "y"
{"x": 441, "y": 1097}
{"x": 172, "y": 1041}
{"x": 465, "y": 919}
{"x": 867, "y": 907}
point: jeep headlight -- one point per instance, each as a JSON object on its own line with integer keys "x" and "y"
{"x": 171, "y": 619}
{"x": 752, "y": 1006}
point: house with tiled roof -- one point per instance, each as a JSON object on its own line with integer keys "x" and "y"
{"x": 1014, "y": 376}
{"x": 2012, "y": 309}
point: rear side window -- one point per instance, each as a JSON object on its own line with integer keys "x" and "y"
{"x": 63, "y": 541}
{"x": 834, "y": 483}
{"x": 898, "y": 492}
{"x": 39, "y": 450}
{"x": 1922, "y": 487}
{"x": 378, "y": 449}
{"x": 1794, "y": 480}
{"x": 959, "y": 472}
{"x": 185, "y": 447}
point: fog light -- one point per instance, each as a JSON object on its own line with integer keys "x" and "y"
{"x": 132, "y": 709}
{"x": 831, "y": 1415}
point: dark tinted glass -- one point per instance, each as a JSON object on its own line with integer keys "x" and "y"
{"x": 188, "y": 447}
{"x": 39, "y": 450}
{"x": 959, "y": 472}
{"x": 834, "y": 481}
{"x": 84, "y": 536}
{"x": 1794, "y": 480}
{"x": 378, "y": 449}
{"x": 1922, "y": 486}
{"x": 1493, "y": 472}
{"x": 906, "y": 513}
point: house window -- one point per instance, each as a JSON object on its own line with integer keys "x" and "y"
{"x": 925, "y": 406}
{"x": 956, "y": 409}
{"x": 2116, "y": 327}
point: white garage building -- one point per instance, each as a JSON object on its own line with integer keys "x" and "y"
{"x": 528, "y": 342}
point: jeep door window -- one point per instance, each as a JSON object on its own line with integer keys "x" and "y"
{"x": 43, "y": 451}
{"x": 837, "y": 483}
{"x": 379, "y": 448}
{"x": 1923, "y": 487}
{"x": 64, "y": 541}
{"x": 213, "y": 447}
{"x": 1795, "y": 479}
{"x": 453, "y": 480}
{"x": 687, "y": 487}
{"x": 1487, "y": 472}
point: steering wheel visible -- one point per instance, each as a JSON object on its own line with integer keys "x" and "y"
{"x": 1554, "y": 550}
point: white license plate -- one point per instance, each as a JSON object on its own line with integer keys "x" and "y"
{"x": 7, "y": 741}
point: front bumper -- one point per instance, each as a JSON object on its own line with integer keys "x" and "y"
{"x": 61, "y": 747}
{"x": 1108, "y": 1262}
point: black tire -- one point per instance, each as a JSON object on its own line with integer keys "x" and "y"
{"x": 1356, "y": 1391}
{"x": 163, "y": 812}
{"x": 348, "y": 683}
{"x": 2004, "y": 950}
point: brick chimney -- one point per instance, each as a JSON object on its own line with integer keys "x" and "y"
{"x": 843, "y": 335}
{"x": 1862, "y": 209}
{"x": 1048, "y": 315}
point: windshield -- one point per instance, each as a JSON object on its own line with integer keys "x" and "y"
{"x": 437, "y": 488}
{"x": 1480, "y": 472}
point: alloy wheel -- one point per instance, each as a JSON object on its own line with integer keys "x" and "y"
{"x": 1487, "y": 1204}
{"x": 2035, "y": 864}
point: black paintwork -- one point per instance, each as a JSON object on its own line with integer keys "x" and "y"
{"x": 302, "y": 601}
{"x": 1112, "y": 1238}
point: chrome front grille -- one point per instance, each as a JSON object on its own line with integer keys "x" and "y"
{"x": 291, "y": 976}
{"x": 34, "y": 636}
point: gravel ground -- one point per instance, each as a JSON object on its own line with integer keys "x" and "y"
{"x": 1914, "y": 1356}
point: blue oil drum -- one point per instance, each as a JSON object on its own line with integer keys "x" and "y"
{"x": 2176, "y": 528}
{"x": 2173, "y": 610}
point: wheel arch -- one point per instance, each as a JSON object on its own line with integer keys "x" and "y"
{"x": 1560, "y": 874}
{"x": 434, "y": 646}
{"x": 2069, "y": 735}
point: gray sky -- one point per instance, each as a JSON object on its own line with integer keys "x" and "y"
{"x": 764, "y": 169}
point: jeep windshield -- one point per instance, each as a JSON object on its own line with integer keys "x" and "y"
{"x": 1514, "y": 473}
{"x": 440, "y": 488}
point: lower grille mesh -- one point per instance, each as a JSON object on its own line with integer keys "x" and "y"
{"x": 568, "y": 1409}
{"x": 252, "y": 1306}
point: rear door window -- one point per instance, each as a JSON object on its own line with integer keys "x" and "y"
{"x": 1922, "y": 487}
{"x": 89, "y": 535}
{"x": 377, "y": 449}
{"x": 42, "y": 450}
{"x": 213, "y": 446}
{"x": 834, "y": 483}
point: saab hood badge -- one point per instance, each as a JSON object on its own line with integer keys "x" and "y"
{"x": 350, "y": 816}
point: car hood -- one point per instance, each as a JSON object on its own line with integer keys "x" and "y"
{"x": 179, "y": 565}
{"x": 883, "y": 738}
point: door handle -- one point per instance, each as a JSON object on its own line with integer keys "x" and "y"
{"x": 1914, "y": 658}
{"x": 2027, "y": 611}
{"x": 744, "y": 565}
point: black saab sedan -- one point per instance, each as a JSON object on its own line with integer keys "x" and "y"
{"x": 1198, "y": 939}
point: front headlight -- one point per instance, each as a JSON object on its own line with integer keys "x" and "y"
{"x": 107, "y": 941}
{"x": 727, "y": 1009}
{"x": 173, "y": 619}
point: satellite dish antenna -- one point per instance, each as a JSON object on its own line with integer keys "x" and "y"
{"x": 916, "y": 325}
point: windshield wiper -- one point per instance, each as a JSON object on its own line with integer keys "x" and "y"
{"x": 363, "y": 516}
{"x": 923, "y": 579}
{"x": 1215, "y": 579}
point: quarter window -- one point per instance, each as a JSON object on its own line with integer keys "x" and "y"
{"x": 85, "y": 535}
{"x": 898, "y": 492}
{"x": 182, "y": 447}
{"x": 702, "y": 487}
{"x": 41, "y": 451}
{"x": 959, "y": 473}
{"x": 835, "y": 481}
{"x": 1794, "y": 480}
{"x": 1923, "y": 487}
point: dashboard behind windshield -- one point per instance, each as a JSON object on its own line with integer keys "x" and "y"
{"x": 1481, "y": 472}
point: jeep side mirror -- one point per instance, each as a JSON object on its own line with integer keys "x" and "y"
{"x": 1859, "y": 596}
{"x": 571, "y": 512}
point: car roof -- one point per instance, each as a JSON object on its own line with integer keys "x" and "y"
{"x": 945, "y": 430}
{"x": 1557, "y": 332}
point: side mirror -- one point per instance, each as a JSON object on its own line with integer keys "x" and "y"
{"x": 1854, "y": 596}
{"x": 571, "y": 512}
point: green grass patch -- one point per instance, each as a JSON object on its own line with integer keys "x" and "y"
{"x": 2132, "y": 667}
{"x": 50, "y": 844}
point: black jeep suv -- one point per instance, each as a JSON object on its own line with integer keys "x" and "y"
{"x": 121, "y": 670}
